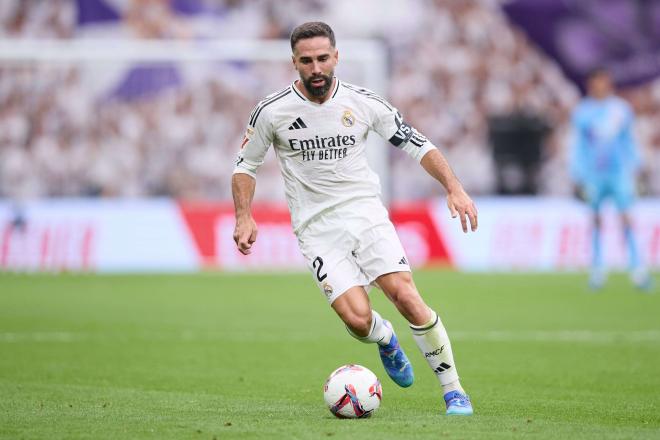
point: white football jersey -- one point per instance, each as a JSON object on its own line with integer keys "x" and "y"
{"x": 321, "y": 147}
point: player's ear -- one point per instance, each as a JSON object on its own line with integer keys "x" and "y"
{"x": 293, "y": 60}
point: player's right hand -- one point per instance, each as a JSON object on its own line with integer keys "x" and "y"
{"x": 245, "y": 234}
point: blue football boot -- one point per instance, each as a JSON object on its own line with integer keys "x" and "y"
{"x": 396, "y": 362}
{"x": 458, "y": 404}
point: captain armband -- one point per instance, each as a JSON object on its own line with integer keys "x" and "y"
{"x": 406, "y": 133}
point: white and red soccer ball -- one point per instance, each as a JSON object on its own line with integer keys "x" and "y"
{"x": 352, "y": 392}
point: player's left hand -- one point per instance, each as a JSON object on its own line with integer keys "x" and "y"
{"x": 461, "y": 205}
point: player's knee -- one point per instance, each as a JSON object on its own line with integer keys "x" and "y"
{"x": 626, "y": 221}
{"x": 597, "y": 221}
{"x": 354, "y": 309}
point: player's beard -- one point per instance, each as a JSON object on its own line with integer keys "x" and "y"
{"x": 321, "y": 90}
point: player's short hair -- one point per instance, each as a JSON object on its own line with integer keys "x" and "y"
{"x": 312, "y": 29}
{"x": 598, "y": 71}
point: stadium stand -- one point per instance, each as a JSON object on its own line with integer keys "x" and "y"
{"x": 455, "y": 68}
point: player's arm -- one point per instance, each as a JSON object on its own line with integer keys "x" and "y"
{"x": 245, "y": 232}
{"x": 389, "y": 123}
{"x": 578, "y": 150}
{"x": 632, "y": 155}
{"x": 257, "y": 139}
{"x": 458, "y": 201}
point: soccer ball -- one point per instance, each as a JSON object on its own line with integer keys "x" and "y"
{"x": 352, "y": 392}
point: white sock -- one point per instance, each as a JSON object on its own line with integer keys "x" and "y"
{"x": 432, "y": 340}
{"x": 379, "y": 333}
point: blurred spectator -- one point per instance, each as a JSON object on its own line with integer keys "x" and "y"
{"x": 70, "y": 129}
{"x": 37, "y": 18}
{"x": 155, "y": 19}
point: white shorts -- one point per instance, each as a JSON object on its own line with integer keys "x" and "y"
{"x": 351, "y": 245}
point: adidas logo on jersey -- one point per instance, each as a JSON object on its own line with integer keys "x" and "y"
{"x": 297, "y": 124}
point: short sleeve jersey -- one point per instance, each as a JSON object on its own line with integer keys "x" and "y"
{"x": 321, "y": 147}
{"x": 604, "y": 145}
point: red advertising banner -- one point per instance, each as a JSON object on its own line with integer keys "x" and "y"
{"x": 211, "y": 227}
{"x": 421, "y": 237}
{"x": 47, "y": 246}
{"x": 156, "y": 235}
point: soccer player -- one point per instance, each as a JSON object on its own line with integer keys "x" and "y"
{"x": 604, "y": 164}
{"x": 318, "y": 126}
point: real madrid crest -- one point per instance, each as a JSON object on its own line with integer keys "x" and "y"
{"x": 348, "y": 119}
{"x": 327, "y": 289}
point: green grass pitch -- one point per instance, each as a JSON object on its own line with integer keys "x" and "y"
{"x": 218, "y": 356}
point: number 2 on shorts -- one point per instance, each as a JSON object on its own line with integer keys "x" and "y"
{"x": 319, "y": 277}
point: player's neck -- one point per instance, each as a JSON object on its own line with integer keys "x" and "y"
{"x": 600, "y": 97}
{"x": 317, "y": 99}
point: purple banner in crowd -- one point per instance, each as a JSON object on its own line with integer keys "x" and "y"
{"x": 622, "y": 36}
{"x": 101, "y": 11}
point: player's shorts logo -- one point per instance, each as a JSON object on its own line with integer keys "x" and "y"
{"x": 327, "y": 289}
{"x": 348, "y": 119}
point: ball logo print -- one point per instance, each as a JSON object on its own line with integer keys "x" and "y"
{"x": 376, "y": 390}
{"x": 350, "y": 396}
{"x": 352, "y": 392}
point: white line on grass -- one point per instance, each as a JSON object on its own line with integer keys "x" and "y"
{"x": 578, "y": 336}
{"x": 588, "y": 336}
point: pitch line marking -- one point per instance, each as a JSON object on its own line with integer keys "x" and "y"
{"x": 188, "y": 335}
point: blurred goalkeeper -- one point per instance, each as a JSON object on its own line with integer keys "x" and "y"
{"x": 318, "y": 126}
{"x": 604, "y": 164}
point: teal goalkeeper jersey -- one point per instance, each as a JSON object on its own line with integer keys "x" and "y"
{"x": 604, "y": 147}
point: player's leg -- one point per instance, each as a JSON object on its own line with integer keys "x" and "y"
{"x": 366, "y": 325}
{"x": 345, "y": 283}
{"x": 633, "y": 253}
{"x": 342, "y": 283}
{"x": 430, "y": 335}
{"x": 382, "y": 258}
{"x": 339, "y": 277}
{"x": 598, "y": 274}
{"x": 639, "y": 275}
{"x": 328, "y": 244}
{"x": 354, "y": 309}
{"x": 624, "y": 197}
{"x": 596, "y": 192}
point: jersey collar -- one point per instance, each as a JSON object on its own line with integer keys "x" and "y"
{"x": 304, "y": 98}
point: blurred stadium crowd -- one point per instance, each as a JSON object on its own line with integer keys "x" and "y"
{"x": 456, "y": 66}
